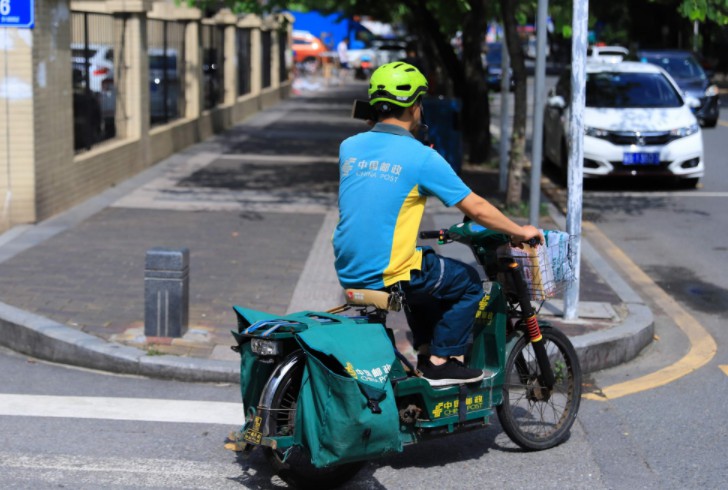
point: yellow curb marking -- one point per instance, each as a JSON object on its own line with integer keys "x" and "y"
{"x": 702, "y": 345}
{"x": 724, "y": 367}
{"x": 722, "y": 123}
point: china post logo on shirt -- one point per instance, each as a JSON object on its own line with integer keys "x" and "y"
{"x": 347, "y": 166}
{"x": 372, "y": 169}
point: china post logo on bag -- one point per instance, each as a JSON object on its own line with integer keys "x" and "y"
{"x": 375, "y": 375}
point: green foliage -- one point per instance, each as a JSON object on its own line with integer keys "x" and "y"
{"x": 702, "y": 10}
{"x": 153, "y": 351}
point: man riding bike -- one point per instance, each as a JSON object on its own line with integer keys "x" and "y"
{"x": 386, "y": 176}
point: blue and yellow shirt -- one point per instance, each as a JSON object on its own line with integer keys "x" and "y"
{"x": 385, "y": 178}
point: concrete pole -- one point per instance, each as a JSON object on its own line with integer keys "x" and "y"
{"x": 696, "y": 35}
{"x": 538, "y": 89}
{"x": 504, "y": 133}
{"x": 576, "y": 149}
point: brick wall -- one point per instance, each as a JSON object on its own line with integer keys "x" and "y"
{"x": 17, "y": 175}
{"x": 40, "y": 175}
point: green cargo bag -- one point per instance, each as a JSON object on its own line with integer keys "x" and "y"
{"x": 254, "y": 373}
{"x": 346, "y": 409}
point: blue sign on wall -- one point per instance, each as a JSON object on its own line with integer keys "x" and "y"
{"x": 17, "y": 13}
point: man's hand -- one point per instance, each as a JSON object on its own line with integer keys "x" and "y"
{"x": 527, "y": 232}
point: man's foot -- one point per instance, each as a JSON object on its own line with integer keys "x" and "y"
{"x": 452, "y": 372}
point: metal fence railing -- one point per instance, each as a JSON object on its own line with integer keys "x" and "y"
{"x": 93, "y": 70}
{"x": 266, "y": 44}
{"x": 213, "y": 64}
{"x": 95, "y": 49}
{"x": 243, "y": 40}
{"x": 166, "y": 52}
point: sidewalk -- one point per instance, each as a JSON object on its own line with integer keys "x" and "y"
{"x": 256, "y": 207}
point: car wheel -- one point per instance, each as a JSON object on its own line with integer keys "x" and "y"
{"x": 690, "y": 183}
{"x": 709, "y": 123}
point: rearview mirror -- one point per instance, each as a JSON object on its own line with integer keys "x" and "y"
{"x": 556, "y": 102}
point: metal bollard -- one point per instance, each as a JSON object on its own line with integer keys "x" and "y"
{"x": 166, "y": 292}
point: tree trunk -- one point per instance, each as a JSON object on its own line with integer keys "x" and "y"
{"x": 467, "y": 75}
{"x": 475, "y": 104}
{"x": 517, "y": 155}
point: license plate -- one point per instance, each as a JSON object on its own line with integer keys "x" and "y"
{"x": 253, "y": 434}
{"x": 641, "y": 159}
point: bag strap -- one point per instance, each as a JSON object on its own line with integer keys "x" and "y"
{"x": 373, "y": 396}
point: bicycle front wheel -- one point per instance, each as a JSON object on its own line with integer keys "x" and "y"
{"x": 533, "y": 416}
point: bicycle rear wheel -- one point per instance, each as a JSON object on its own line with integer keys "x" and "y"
{"x": 533, "y": 416}
{"x": 295, "y": 467}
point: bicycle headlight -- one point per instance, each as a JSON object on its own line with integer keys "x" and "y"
{"x": 596, "y": 132}
{"x": 686, "y": 131}
{"x": 711, "y": 91}
{"x": 265, "y": 347}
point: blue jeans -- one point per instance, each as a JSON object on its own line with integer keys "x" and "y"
{"x": 442, "y": 299}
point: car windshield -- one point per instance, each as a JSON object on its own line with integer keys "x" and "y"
{"x": 156, "y": 62}
{"x": 678, "y": 67}
{"x": 80, "y": 52}
{"x": 623, "y": 90}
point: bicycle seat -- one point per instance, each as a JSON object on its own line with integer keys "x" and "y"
{"x": 368, "y": 297}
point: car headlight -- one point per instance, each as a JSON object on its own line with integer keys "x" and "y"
{"x": 264, "y": 347}
{"x": 711, "y": 91}
{"x": 596, "y": 132}
{"x": 686, "y": 131}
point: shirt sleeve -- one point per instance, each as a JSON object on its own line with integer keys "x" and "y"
{"x": 438, "y": 179}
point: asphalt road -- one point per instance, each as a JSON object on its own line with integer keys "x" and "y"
{"x": 672, "y": 436}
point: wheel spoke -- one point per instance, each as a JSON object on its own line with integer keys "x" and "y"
{"x": 534, "y": 417}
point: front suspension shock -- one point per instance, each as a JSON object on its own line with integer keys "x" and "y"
{"x": 533, "y": 331}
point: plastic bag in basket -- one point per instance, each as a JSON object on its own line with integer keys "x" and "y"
{"x": 536, "y": 266}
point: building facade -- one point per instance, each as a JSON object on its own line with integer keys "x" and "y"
{"x": 97, "y": 91}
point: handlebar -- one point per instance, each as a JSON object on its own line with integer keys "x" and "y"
{"x": 443, "y": 236}
{"x": 432, "y": 234}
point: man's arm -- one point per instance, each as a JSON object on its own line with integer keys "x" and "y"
{"x": 485, "y": 214}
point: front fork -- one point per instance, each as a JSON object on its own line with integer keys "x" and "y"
{"x": 528, "y": 315}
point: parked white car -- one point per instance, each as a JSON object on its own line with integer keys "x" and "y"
{"x": 607, "y": 54}
{"x": 100, "y": 64}
{"x": 636, "y": 123}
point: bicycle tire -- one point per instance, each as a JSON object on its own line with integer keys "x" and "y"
{"x": 524, "y": 408}
{"x": 297, "y": 469}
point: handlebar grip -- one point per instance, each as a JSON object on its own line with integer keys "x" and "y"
{"x": 430, "y": 234}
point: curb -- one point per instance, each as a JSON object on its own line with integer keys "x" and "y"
{"x": 42, "y": 338}
{"x": 614, "y": 346}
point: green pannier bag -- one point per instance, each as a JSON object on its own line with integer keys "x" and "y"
{"x": 254, "y": 373}
{"x": 346, "y": 409}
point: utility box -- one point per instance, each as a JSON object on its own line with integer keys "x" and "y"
{"x": 166, "y": 292}
{"x": 442, "y": 116}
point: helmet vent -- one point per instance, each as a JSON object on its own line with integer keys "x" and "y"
{"x": 404, "y": 87}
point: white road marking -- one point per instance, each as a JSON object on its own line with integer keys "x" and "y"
{"x": 647, "y": 194}
{"x": 53, "y": 471}
{"x": 139, "y": 409}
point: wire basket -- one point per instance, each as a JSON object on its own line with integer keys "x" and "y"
{"x": 547, "y": 269}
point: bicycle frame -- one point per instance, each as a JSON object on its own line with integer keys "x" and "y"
{"x": 500, "y": 321}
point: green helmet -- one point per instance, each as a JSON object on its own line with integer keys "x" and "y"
{"x": 399, "y": 83}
